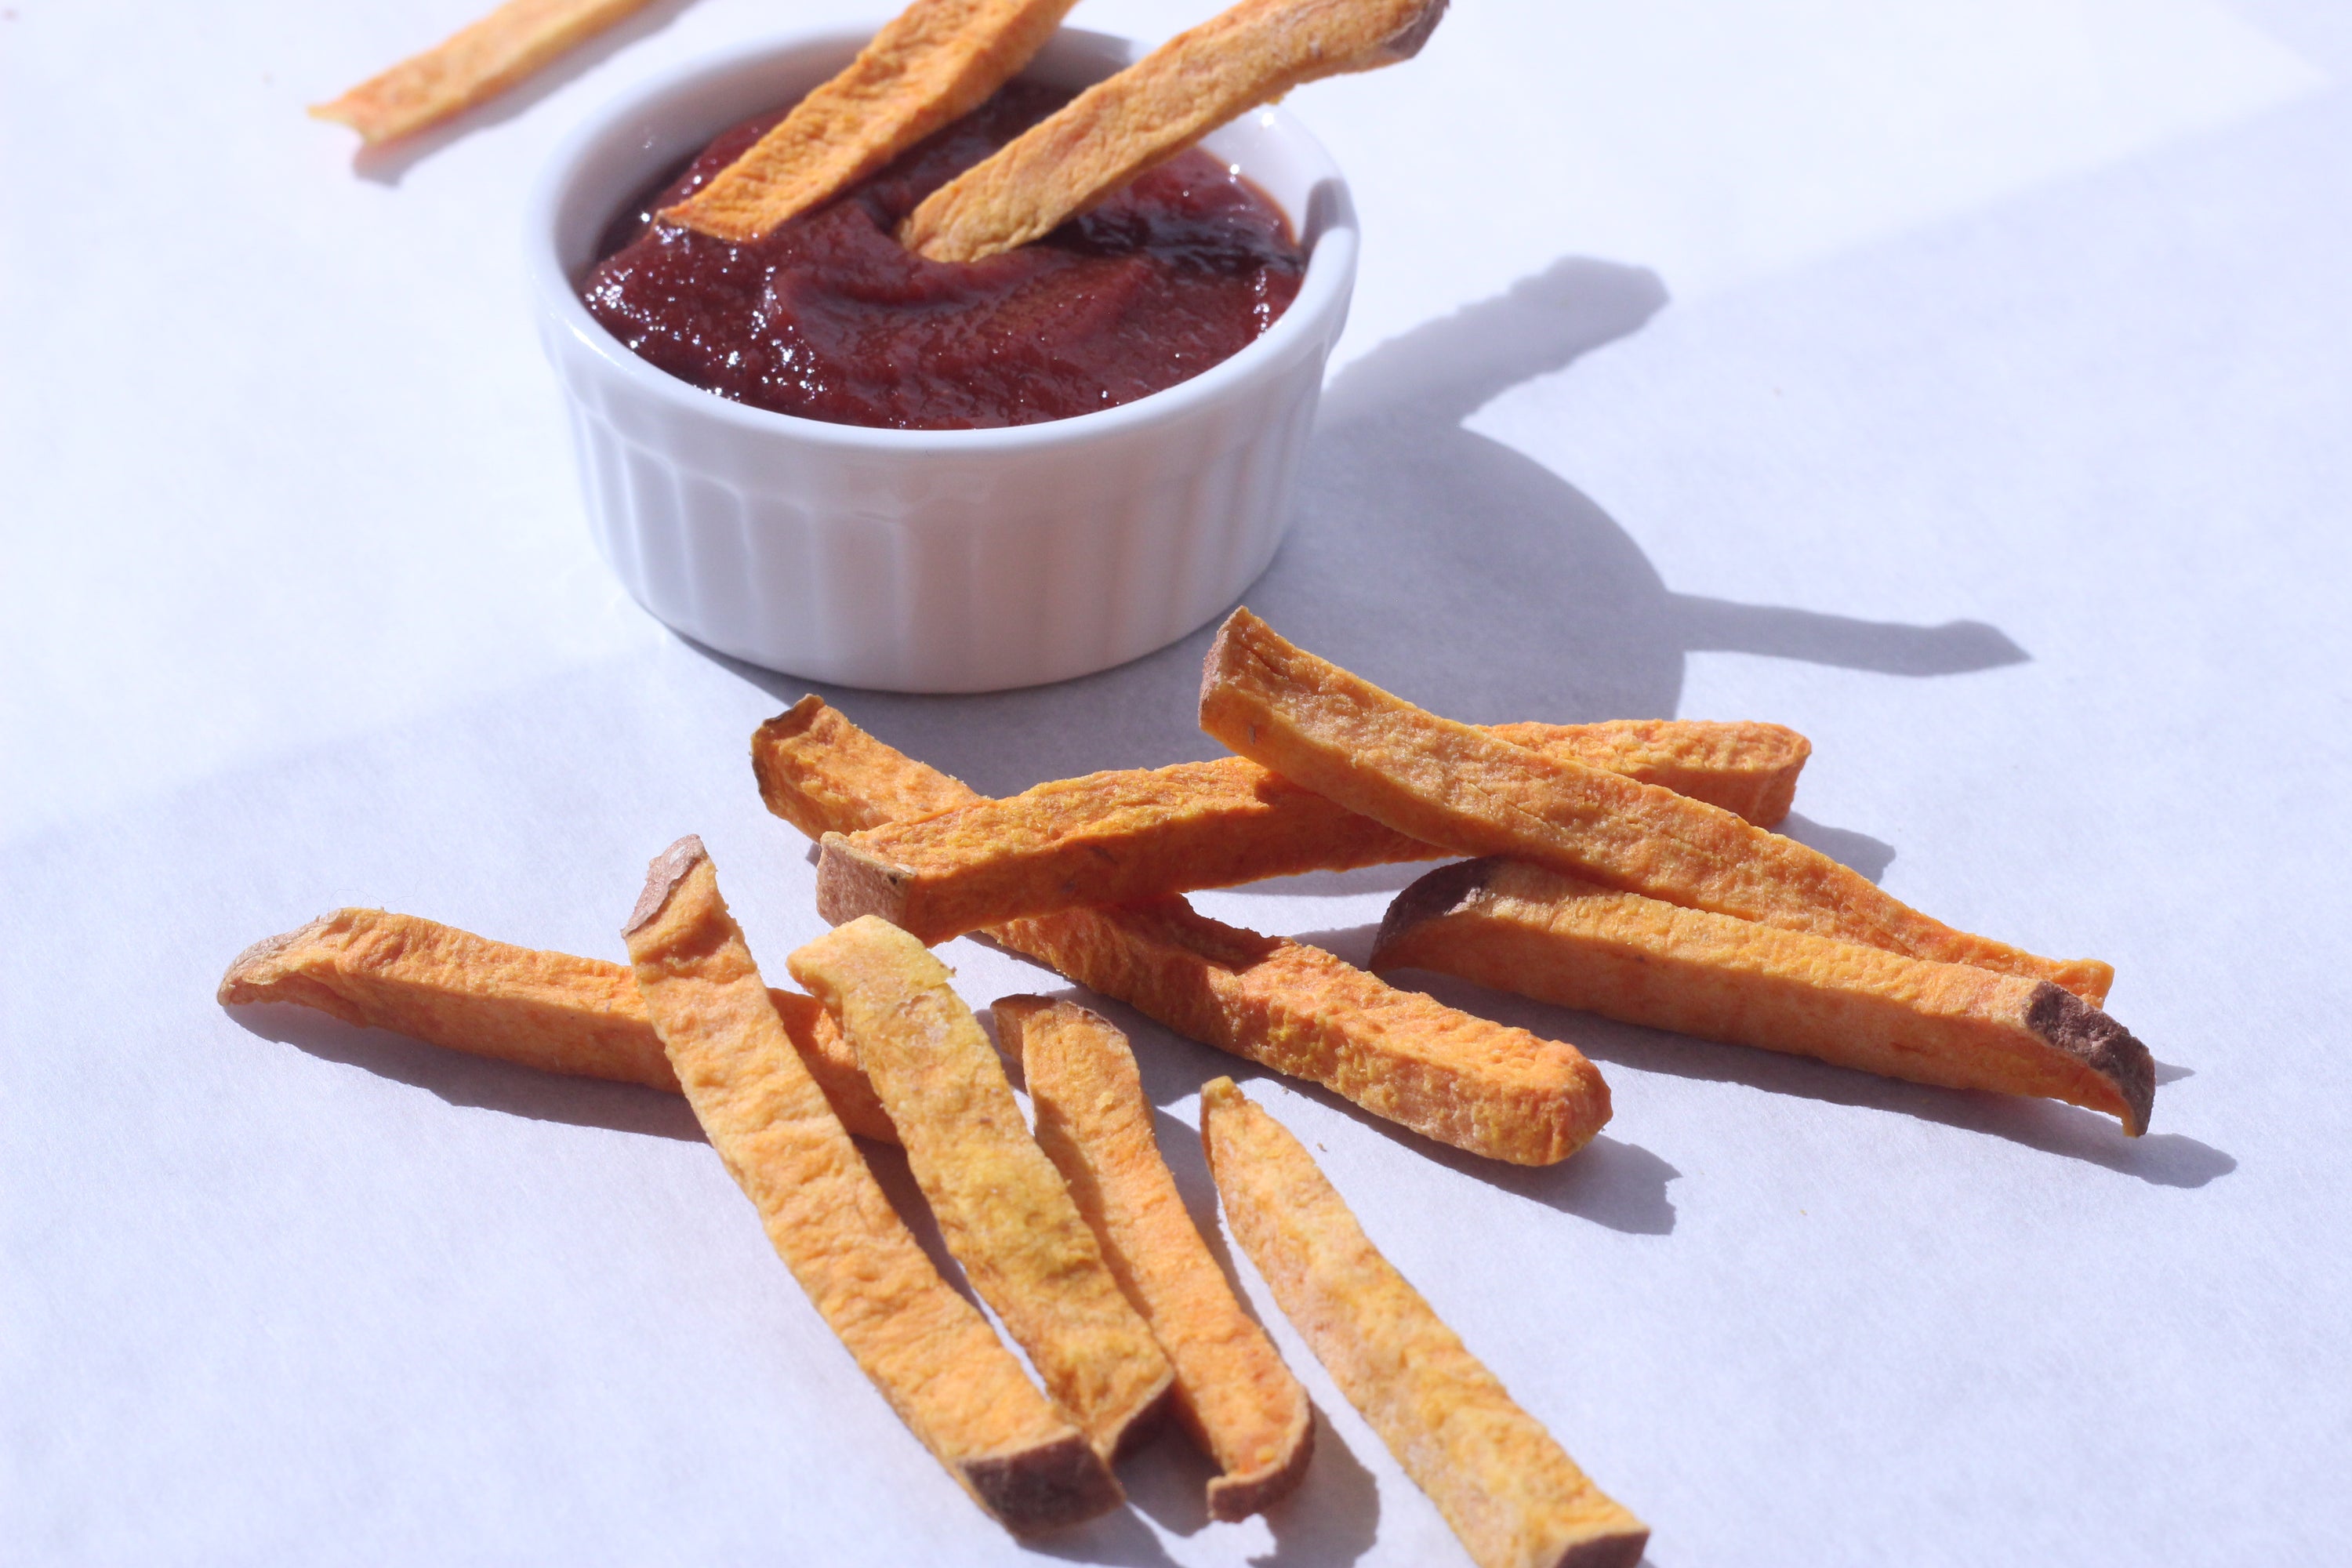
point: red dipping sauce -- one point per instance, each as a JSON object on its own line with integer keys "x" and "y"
{"x": 830, "y": 317}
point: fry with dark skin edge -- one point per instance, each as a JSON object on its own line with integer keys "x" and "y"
{"x": 1119, "y": 837}
{"x": 1516, "y": 927}
{"x": 475, "y": 64}
{"x": 935, "y": 62}
{"x": 1477, "y": 1085}
{"x": 1431, "y": 778}
{"x": 1511, "y": 1493}
{"x": 925, "y": 1347}
{"x": 1002, "y": 1208}
{"x": 548, "y": 1010}
{"x": 1148, "y": 114}
{"x": 1234, "y": 1395}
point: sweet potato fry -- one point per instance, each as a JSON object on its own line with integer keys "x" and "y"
{"x": 476, "y": 63}
{"x": 824, "y": 774}
{"x": 1748, "y": 768}
{"x": 1342, "y": 737}
{"x": 927, "y": 1349}
{"x": 1468, "y": 1081}
{"x": 933, "y": 63}
{"x": 548, "y": 1010}
{"x": 1232, "y": 1393}
{"x": 1509, "y": 1489}
{"x": 1474, "y": 1084}
{"x": 1117, "y": 837}
{"x": 1516, "y": 927}
{"x": 1155, "y": 108}
{"x": 1001, "y": 1207}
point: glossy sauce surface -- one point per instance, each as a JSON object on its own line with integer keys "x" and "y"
{"x": 830, "y": 317}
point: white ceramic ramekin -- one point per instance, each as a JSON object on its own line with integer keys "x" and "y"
{"x": 929, "y": 561}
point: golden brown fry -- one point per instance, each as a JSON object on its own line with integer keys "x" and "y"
{"x": 1509, "y": 1489}
{"x": 547, "y": 1010}
{"x": 1516, "y": 927}
{"x": 1474, "y": 1084}
{"x": 1232, "y": 1393}
{"x": 1340, "y": 735}
{"x": 927, "y": 1349}
{"x": 932, "y": 63}
{"x": 1465, "y": 1081}
{"x": 1001, "y": 1207}
{"x": 824, "y": 774}
{"x": 477, "y": 62}
{"x": 1117, "y": 837}
{"x": 1155, "y": 108}
{"x": 1748, "y": 768}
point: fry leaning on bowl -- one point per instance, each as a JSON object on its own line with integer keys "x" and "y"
{"x": 1037, "y": 544}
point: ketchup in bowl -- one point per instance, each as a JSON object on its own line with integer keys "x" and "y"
{"x": 829, "y": 318}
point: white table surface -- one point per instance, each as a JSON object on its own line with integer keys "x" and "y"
{"x": 1966, "y": 385}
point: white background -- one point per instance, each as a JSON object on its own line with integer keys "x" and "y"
{"x": 1966, "y": 385}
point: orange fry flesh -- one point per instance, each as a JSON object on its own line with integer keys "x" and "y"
{"x": 1509, "y": 1491}
{"x": 1516, "y": 927}
{"x": 927, "y": 1349}
{"x": 476, "y": 63}
{"x": 548, "y": 1010}
{"x": 824, "y": 774}
{"x": 1002, "y": 1208}
{"x": 1462, "y": 1080}
{"x": 1240, "y": 1404}
{"x": 935, "y": 62}
{"x": 1249, "y": 55}
{"x": 1119, "y": 837}
{"x": 1431, "y": 778}
{"x": 1477, "y": 1085}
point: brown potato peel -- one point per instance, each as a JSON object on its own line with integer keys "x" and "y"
{"x": 1249, "y": 55}
{"x": 1002, "y": 1208}
{"x": 548, "y": 1010}
{"x": 1516, "y": 927}
{"x": 1119, "y": 837}
{"x": 935, "y": 62}
{"x": 1467, "y": 1081}
{"x": 927, "y": 1349}
{"x": 1509, "y": 1491}
{"x": 476, "y": 63}
{"x": 1234, "y": 1395}
{"x": 1431, "y": 778}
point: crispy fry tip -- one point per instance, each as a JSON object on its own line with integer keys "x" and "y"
{"x": 1045, "y": 1488}
{"x": 1234, "y": 1498}
{"x": 851, "y": 883}
{"x": 668, "y": 868}
{"x": 1406, "y": 42}
{"x": 247, "y": 965}
{"x": 2072, "y": 1026}
{"x": 337, "y": 111}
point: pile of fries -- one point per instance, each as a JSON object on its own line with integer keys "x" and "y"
{"x": 1627, "y": 869}
{"x": 1624, "y": 868}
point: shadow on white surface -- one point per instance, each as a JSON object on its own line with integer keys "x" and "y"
{"x": 2160, "y": 1159}
{"x": 474, "y": 1082}
{"x": 1329, "y": 1522}
{"x": 1433, "y": 560}
{"x": 390, "y": 165}
{"x": 1334, "y": 1516}
{"x": 1869, "y": 855}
